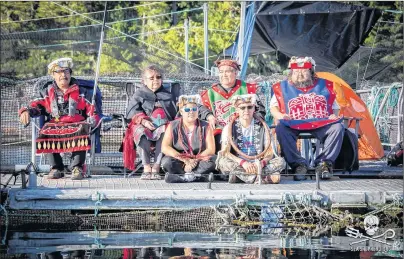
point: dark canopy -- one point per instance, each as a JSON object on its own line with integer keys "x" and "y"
{"x": 330, "y": 32}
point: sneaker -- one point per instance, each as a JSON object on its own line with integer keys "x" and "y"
{"x": 55, "y": 174}
{"x": 300, "y": 172}
{"x": 77, "y": 173}
{"x": 173, "y": 178}
{"x": 232, "y": 178}
{"x": 324, "y": 169}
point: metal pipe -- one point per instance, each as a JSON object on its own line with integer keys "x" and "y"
{"x": 240, "y": 44}
{"x": 205, "y": 37}
{"x": 186, "y": 31}
{"x": 399, "y": 114}
{"x": 32, "y": 181}
{"x": 97, "y": 69}
{"x": 370, "y": 90}
{"x": 318, "y": 181}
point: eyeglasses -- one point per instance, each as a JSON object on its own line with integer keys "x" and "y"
{"x": 156, "y": 77}
{"x": 226, "y": 71}
{"x": 194, "y": 109}
{"x": 249, "y": 107}
{"x": 62, "y": 70}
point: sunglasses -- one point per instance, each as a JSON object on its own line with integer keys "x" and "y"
{"x": 194, "y": 109}
{"x": 156, "y": 77}
{"x": 62, "y": 70}
{"x": 249, "y": 107}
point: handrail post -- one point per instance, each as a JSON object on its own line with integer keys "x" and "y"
{"x": 32, "y": 182}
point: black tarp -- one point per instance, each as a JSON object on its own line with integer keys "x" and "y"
{"x": 330, "y": 32}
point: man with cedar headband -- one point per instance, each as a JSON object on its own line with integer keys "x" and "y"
{"x": 70, "y": 116}
{"x": 217, "y": 98}
{"x": 306, "y": 103}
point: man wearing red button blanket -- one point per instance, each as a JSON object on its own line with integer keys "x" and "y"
{"x": 70, "y": 113}
{"x": 305, "y": 103}
{"x": 217, "y": 98}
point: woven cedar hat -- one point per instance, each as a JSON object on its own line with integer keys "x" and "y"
{"x": 228, "y": 62}
{"x": 301, "y": 63}
{"x": 61, "y": 62}
{"x": 237, "y": 100}
{"x": 185, "y": 99}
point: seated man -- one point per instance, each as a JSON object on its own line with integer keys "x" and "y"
{"x": 150, "y": 109}
{"x": 246, "y": 150}
{"x": 189, "y": 144}
{"x": 71, "y": 115}
{"x": 305, "y": 103}
{"x": 217, "y": 98}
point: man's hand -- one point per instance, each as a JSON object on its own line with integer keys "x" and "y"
{"x": 92, "y": 121}
{"x": 250, "y": 168}
{"x": 285, "y": 117}
{"x": 333, "y": 117}
{"x": 212, "y": 121}
{"x": 148, "y": 124}
{"x": 25, "y": 118}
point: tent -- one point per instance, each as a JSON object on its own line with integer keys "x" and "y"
{"x": 352, "y": 105}
{"x": 330, "y": 32}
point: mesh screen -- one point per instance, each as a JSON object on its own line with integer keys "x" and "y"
{"x": 383, "y": 101}
{"x": 130, "y": 44}
{"x": 293, "y": 215}
{"x": 16, "y": 140}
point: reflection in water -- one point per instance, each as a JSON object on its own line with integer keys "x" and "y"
{"x": 277, "y": 244}
{"x": 207, "y": 253}
{"x": 291, "y": 228}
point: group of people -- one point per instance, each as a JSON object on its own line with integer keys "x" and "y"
{"x": 222, "y": 129}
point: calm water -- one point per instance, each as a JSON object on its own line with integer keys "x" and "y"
{"x": 127, "y": 245}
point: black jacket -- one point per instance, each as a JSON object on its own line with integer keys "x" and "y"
{"x": 144, "y": 99}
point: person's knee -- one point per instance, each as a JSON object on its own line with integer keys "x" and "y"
{"x": 167, "y": 162}
{"x": 281, "y": 130}
{"x": 337, "y": 128}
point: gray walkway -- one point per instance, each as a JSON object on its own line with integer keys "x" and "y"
{"x": 113, "y": 192}
{"x": 110, "y": 182}
{"x": 117, "y": 192}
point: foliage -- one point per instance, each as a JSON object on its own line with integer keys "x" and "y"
{"x": 33, "y": 34}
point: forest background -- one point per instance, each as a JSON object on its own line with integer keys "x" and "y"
{"x": 34, "y": 33}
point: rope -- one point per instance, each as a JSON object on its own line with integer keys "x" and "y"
{"x": 97, "y": 241}
{"x": 89, "y": 41}
{"x": 157, "y": 15}
{"x": 98, "y": 203}
{"x": 127, "y": 35}
{"x": 3, "y": 240}
{"x": 70, "y": 15}
{"x": 92, "y": 25}
{"x": 371, "y": 50}
{"x": 378, "y": 103}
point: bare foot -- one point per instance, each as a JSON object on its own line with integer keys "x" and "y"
{"x": 156, "y": 168}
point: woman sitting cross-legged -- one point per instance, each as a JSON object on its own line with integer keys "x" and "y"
{"x": 188, "y": 145}
{"x": 246, "y": 151}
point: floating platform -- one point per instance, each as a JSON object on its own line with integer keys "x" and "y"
{"x": 114, "y": 192}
